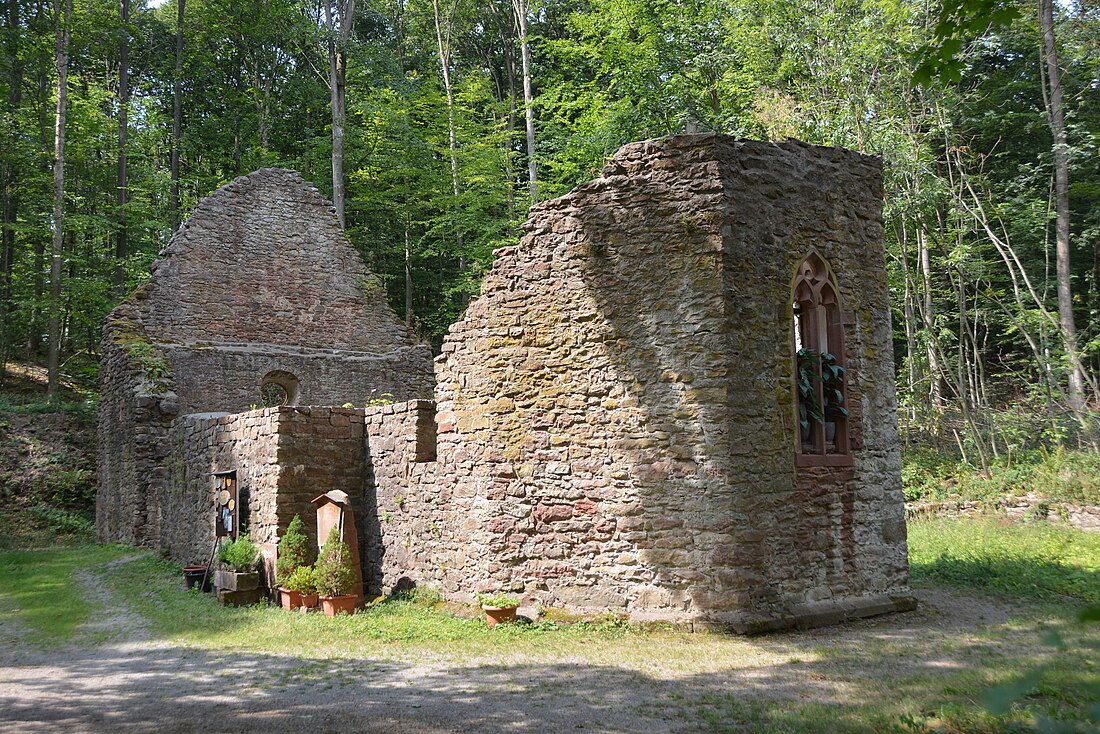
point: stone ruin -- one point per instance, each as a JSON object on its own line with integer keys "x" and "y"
{"x": 616, "y": 424}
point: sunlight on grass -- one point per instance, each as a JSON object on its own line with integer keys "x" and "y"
{"x": 921, "y": 672}
{"x": 40, "y": 595}
{"x": 1033, "y": 560}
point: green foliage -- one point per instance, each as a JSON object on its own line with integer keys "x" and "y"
{"x": 812, "y": 369}
{"x": 959, "y": 22}
{"x": 240, "y": 555}
{"x": 1035, "y": 560}
{"x": 67, "y": 489}
{"x": 294, "y": 550}
{"x": 1059, "y": 476}
{"x": 302, "y": 579}
{"x": 500, "y": 599}
{"x": 334, "y": 570}
{"x": 62, "y": 522}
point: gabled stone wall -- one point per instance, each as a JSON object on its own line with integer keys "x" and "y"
{"x": 259, "y": 279}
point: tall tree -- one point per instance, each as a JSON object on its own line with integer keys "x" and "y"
{"x": 121, "y": 250}
{"x": 64, "y": 22}
{"x": 177, "y": 116}
{"x": 1056, "y": 119}
{"x": 520, "y": 8}
{"x": 339, "y": 19}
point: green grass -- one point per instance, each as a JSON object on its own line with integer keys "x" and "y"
{"x": 891, "y": 674}
{"x": 39, "y": 593}
{"x": 1028, "y": 560}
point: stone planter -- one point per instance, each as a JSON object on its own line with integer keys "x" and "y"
{"x": 333, "y": 605}
{"x": 230, "y": 581}
{"x": 499, "y": 615}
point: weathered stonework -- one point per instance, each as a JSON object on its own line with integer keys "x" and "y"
{"x": 283, "y": 456}
{"x": 259, "y": 280}
{"x": 615, "y": 420}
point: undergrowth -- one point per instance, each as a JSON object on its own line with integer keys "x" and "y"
{"x": 1058, "y": 475}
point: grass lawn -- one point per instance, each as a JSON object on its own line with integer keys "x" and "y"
{"x": 999, "y": 626}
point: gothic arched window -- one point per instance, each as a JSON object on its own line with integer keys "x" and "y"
{"x": 820, "y": 376}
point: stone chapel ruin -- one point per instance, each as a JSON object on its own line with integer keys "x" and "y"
{"x": 615, "y": 424}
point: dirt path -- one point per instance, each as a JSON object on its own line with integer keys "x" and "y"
{"x": 135, "y": 683}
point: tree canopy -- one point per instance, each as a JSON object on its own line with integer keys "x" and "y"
{"x": 438, "y": 162}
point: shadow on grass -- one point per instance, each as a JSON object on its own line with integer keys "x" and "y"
{"x": 1029, "y": 578}
{"x": 166, "y": 689}
{"x": 340, "y": 675}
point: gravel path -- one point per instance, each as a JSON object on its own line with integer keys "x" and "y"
{"x": 134, "y": 683}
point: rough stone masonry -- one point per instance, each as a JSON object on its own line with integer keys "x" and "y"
{"x": 615, "y": 420}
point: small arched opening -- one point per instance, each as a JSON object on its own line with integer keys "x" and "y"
{"x": 279, "y": 387}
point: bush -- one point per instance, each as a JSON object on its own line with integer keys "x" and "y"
{"x": 294, "y": 550}
{"x": 335, "y": 572}
{"x": 498, "y": 600}
{"x": 302, "y": 579}
{"x": 239, "y": 555}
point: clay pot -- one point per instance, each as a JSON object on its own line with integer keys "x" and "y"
{"x": 333, "y": 605}
{"x": 499, "y": 615}
{"x": 290, "y": 598}
{"x": 309, "y": 601}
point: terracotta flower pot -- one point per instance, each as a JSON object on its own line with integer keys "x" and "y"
{"x": 333, "y": 605}
{"x": 290, "y": 598}
{"x": 499, "y": 615}
{"x": 309, "y": 601}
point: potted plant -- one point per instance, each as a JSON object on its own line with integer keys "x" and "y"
{"x": 300, "y": 589}
{"x": 304, "y": 580}
{"x": 336, "y": 576}
{"x": 498, "y": 608}
{"x": 293, "y": 553}
{"x": 812, "y": 368}
{"x": 238, "y": 560}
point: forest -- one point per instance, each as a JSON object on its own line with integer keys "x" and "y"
{"x": 434, "y": 125}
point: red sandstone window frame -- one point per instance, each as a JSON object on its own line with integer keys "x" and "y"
{"x": 817, "y": 326}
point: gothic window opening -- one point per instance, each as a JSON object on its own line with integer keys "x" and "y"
{"x": 820, "y": 376}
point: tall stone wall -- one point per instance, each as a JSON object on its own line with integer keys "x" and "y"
{"x": 616, "y": 412}
{"x": 406, "y": 511}
{"x": 260, "y": 279}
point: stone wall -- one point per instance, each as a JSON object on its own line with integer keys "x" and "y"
{"x": 259, "y": 279}
{"x": 616, "y": 416}
{"x": 283, "y": 458}
{"x": 202, "y": 445}
{"x": 406, "y": 513}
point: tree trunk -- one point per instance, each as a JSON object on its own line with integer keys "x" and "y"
{"x": 177, "y": 116}
{"x": 338, "y": 31}
{"x": 10, "y": 180}
{"x": 64, "y": 14}
{"x": 121, "y": 249}
{"x": 520, "y": 8}
{"x": 1056, "y": 120}
{"x": 445, "y": 64}
{"x": 928, "y": 317}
